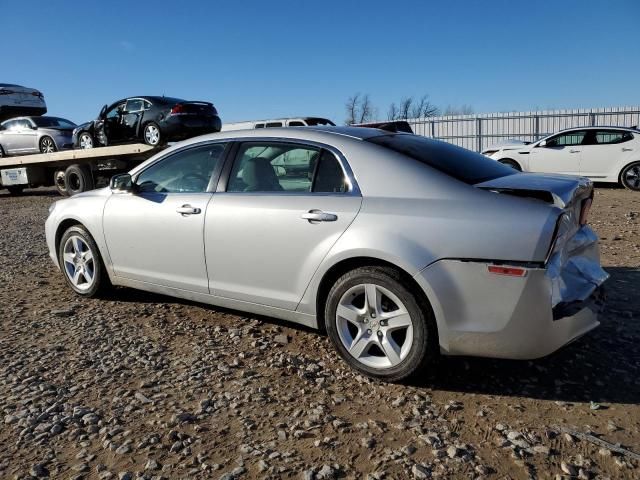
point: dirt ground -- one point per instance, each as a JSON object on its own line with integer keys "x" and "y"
{"x": 137, "y": 385}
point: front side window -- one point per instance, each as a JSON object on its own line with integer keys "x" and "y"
{"x": 607, "y": 137}
{"x": 115, "y": 111}
{"x": 567, "y": 139}
{"x": 274, "y": 124}
{"x": 187, "y": 171}
{"x": 281, "y": 167}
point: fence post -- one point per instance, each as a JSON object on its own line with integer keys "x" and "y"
{"x": 478, "y": 134}
{"x": 537, "y": 128}
{"x": 433, "y": 129}
{"x": 592, "y": 119}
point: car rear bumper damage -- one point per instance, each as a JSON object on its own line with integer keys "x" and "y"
{"x": 480, "y": 313}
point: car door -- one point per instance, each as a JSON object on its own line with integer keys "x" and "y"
{"x": 154, "y": 235}
{"x": 558, "y": 154}
{"x": 274, "y": 218}
{"x": 131, "y": 117}
{"x": 112, "y": 123}
{"x": 21, "y": 137}
{"x": 603, "y": 151}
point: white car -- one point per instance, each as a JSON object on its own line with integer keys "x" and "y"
{"x": 603, "y": 154}
{"x": 17, "y": 101}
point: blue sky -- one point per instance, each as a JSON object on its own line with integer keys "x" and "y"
{"x": 285, "y": 58}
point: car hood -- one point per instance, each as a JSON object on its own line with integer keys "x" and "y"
{"x": 83, "y": 125}
{"x": 561, "y": 190}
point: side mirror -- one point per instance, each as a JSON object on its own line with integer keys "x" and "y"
{"x": 543, "y": 143}
{"x": 122, "y": 183}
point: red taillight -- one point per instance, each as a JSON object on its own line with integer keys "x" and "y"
{"x": 584, "y": 211}
{"x": 509, "y": 271}
{"x": 177, "y": 109}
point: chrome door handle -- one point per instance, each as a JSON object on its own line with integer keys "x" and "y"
{"x": 625, "y": 149}
{"x": 188, "y": 210}
{"x": 319, "y": 216}
{"x": 574, "y": 151}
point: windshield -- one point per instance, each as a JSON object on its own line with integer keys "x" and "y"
{"x": 53, "y": 122}
{"x": 457, "y": 162}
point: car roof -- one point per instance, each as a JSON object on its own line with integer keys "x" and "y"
{"x": 311, "y": 133}
{"x": 599, "y": 127}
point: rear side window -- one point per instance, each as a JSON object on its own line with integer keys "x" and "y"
{"x": 457, "y": 162}
{"x": 606, "y": 137}
{"x": 296, "y": 123}
{"x": 274, "y": 124}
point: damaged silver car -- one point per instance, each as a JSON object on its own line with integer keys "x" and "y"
{"x": 399, "y": 246}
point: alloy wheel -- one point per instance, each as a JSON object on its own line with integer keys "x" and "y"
{"x": 632, "y": 177}
{"x": 374, "y": 326}
{"x": 79, "y": 262}
{"x": 86, "y": 141}
{"x": 152, "y": 134}
{"x": 47, "y": 145}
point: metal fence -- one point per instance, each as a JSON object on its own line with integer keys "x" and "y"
{"x": 477, "y": 132}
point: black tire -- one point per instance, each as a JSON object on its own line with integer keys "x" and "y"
{"x": 78, "y": 179}
{"x": 15, "y": 189}
{"x": 149, "y": 139}
{"x": 511, "y": 163}
{"x": 47, "y": 145}
{"x": 100, "y": 281}
{"x": 423, "y": 350}
{"x": 86, "y": 141}
{"x": 1, "y": 152}
{"x": 60, "y": 181}
{"x": 630, "y": 177}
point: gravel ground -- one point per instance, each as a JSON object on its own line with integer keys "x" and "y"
{"x": 144, "y": 386}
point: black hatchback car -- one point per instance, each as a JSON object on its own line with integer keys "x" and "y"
{"x": 153, "y": 120}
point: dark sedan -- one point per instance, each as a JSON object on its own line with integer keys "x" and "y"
{"x": 153, "y": 120}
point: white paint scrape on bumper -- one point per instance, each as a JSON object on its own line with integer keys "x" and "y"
{"x": 480, "y": 313}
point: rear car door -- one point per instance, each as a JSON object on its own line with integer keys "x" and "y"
{"x": 155, "y": 234}
{"x": 21, "y": 137}
{"x": 560, "y": 154}
{"x": 274, "y": 217}
{"x": 603, "y": 151}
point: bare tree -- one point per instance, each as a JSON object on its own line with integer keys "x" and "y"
{"x": 359, "y": 109}
{"x": 409, "y": 108}
{"x": 463, "y": 110}
{"x": 392, "y": 113}
{"x": 424, "y": 108}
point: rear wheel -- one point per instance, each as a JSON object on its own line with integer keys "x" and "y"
{"x": 85, "y": 140}
{"x": 47, "y": 145}
{"x": 511, "y": 163}
{"x": 81, "y": 263}
{"x": 152, "y": 135}
{"x": 630, "y": 177}
{"x": 60, "y": 182}
{"x": 378, "y": 325}
{"x": 78, "y": 179}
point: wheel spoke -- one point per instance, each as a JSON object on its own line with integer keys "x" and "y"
{"x": 77, "y": 246}
{"x": 87, "y": 256}
{"x": 397, "y": 320}
{"x": 349, "y": 313}
{"x": 76, "y": 276}
{"x": 372, "y": 298}
{"x": 391, "y": 349}
{"x": 360, "y": 345}
{"x": 68, "y": 257}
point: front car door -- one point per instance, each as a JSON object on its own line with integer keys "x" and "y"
{"x": 603, "y": 151}
{"x": 22, "y": 137}
{"x": 155, "y": 235}
{"x": 560, "y": 154}
{"x": 112, "y": 123}
{"x": 131, "y": 118}
{"x": 274, "y": 217}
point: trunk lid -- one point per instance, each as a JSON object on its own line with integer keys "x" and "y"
{"x": 559, "y": 190}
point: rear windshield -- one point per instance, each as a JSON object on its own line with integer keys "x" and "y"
{"x": 313, "y": 122}
{"x": 457, "y": 162}
{"x": 53, "y": 122}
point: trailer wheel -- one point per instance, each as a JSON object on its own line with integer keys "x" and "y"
{"x": 15, "y": 189}
{"x": 78, "y": 179}
{"x": 60, "y": 182}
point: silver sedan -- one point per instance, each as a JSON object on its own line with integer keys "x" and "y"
{"x": 400, "y": 247}
{"x": 26, "y": 135}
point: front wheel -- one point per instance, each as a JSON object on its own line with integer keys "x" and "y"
{"x": 511, "y": 163}
{"x": 152, "y": 135}
{"x": 630, "y": 177}
{"x": 85, "y": 140}
{"x": 81, "y": 263}
{"x": 379, "y": 326}
{"x": 47, "y": 145}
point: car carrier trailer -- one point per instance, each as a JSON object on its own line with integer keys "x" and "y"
{"x": 71, "y": 171}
